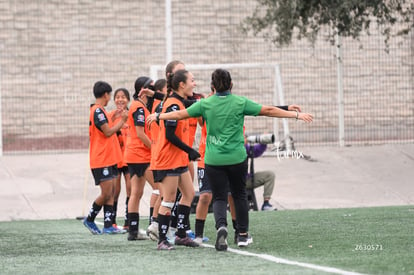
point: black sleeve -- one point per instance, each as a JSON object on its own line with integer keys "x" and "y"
{"x": 170, "y": 135}
{"x": 170, "y": 127}
{"x": 99, "y": 118}
{"x": 150, "y": 103}
{"x": 172, "y": 108}
{"x": 284, "y": 107}
{"x": 139, "y": 117}
{"x": 189, "y": 102}
{"x": 159, "y": 96}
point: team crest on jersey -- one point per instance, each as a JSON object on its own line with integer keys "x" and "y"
{"x": 105, "y": 172}
{"x": 98, "y": 110}
{"x": 141, "y": 118}
{"x": 101, "y": 117}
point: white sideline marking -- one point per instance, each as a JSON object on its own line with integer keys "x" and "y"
{"x": 284, "y": 261}
{"x": 289, "y": 262}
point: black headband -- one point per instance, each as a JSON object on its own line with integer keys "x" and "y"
{"x": 147, "y": 83}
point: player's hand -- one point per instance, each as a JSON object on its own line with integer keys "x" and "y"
{"x": 146, "y": 92}
{"x": 294, "y": 107}
{"x": 305, "y": 117}
{"x": 124, "y": 115}
{"x": 117, "y": 113}
{"x": 194, "y": 155}
{"x": 151, "y": 118}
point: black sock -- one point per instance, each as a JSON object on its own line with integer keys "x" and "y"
{"x": 115, "y": 210}
{"x": 174, "y": 210}
{"x": 174, "y": 216}
{"x": 93, "y": 212}
{"x": 199, "y": 228}
{"x": 126, "y": 223}
{"x": 150, "y": 214}
{"x": 163, "y": 224}
{"x": 108, "y": 212}
{"x": 183, "y": 212}
{"x": 133, "y": 219}
{"x": 187, "y": 225}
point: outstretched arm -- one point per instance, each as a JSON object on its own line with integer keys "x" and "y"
{"x": 292, "y": 107}
{"x": 177, "y": 115}
{"x": 272, "y": 111}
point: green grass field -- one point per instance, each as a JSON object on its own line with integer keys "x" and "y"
{"x": 377, "y": 240}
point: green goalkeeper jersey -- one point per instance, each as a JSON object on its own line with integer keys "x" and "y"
{"x": 224, "y": 116}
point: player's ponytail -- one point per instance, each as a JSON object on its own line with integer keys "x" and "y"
{"x": 176, "y": 78}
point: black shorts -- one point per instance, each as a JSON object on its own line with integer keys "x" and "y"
{"x": 159, "y": 175}
{"x": 155, "y": 174}
{"x": 123, "y": 170}
{"x": 137, "y": 169}
{"x": 104, "y": 173}
{"x": 203, "y": 184}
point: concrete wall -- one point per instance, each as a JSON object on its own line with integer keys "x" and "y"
{"x": 52, "y": 52}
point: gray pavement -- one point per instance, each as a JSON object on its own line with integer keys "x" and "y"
{"x": 59, "y": 186}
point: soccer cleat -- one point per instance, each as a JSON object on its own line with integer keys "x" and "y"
{"x": 267, "y": 206}
{"x": 112, "y": 230}
{"x": 121, "y": 229}
{"x": 165, "y": 245}
{"x": 198, "y": 240}
{"x": 137, "y": 236}
{"x": 93, "y": 228}
{"x": 244, "y": 240}
{"x": 126, "y": 225}
{"x": 171, "y": 234}
{"x": 187, "y": 241}
{"x": 152, "y": 231}
{"x": 221, "y": 241}
{"x": 249, "y": 238}
{"x": 190, "y": 234}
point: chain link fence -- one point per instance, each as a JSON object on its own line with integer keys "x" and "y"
{"x": 52, "y": 52}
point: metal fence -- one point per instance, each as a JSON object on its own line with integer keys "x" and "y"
{"x": 52, "y": 52}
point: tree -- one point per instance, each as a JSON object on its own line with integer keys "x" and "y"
{"x": 280, "y": 20}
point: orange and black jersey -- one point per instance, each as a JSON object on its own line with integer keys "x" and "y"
{"x": 154, "y": 127}
{"x": 104, "y": 151}
{"x": 171, "y": 147}
{"x": 136, "y": 151}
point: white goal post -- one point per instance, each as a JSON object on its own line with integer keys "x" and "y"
{"x": 158, "y": 71}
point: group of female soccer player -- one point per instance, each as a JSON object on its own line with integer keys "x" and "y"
{"x": 161, "y": 153}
